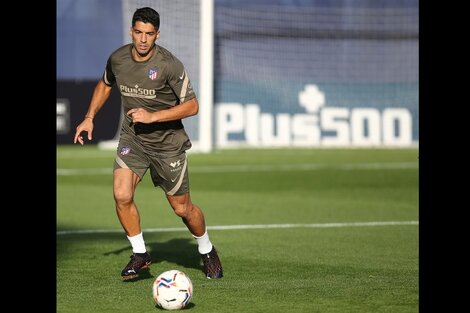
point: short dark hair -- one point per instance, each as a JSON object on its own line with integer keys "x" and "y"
{"x": 147, "y": 15}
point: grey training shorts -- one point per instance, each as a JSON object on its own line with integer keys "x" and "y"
{"x": 170, "y": 173}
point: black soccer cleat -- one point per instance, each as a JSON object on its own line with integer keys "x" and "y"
{"x": 138, "y": 262}
{"x": 212, "y": 265}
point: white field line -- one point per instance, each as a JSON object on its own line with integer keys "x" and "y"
{"x": 258, "y": 168}
{"x": 230, "y": 151}
{"x": 236, "y": 227}
{"x": 85, "y": 154}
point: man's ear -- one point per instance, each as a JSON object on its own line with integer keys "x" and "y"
{"x": 158, "y": 34}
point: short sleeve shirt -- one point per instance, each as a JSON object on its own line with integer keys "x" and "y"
{"x": 156, "y": 84}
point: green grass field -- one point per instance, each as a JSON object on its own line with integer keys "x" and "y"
{"x": 314, "y": 230}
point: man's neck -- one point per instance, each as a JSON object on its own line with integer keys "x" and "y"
{"x": 141, "y": 58}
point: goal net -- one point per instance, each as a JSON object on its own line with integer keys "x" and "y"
{"x": 316, "y": 73}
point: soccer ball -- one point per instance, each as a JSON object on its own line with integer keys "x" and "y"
{"x": 172, "y": 290}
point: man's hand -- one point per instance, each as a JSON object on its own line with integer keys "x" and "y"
{"x": 140, "y": 115}
{"x": 87, "y": 126}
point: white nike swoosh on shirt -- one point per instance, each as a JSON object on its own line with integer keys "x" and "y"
{"x": 182, "y": 75}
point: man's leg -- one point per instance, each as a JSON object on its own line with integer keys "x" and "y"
{"x": 193, "y": 218}
{"x": 190, "y": 213}
{"x": 125, "y": 182}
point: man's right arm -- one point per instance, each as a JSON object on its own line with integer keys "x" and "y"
{"x": 100, "y": 95}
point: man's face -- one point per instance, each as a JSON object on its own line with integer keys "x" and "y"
{"x": 144, "y": 36}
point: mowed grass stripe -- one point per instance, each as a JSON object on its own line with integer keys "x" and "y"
{"x": 257, "y": 168}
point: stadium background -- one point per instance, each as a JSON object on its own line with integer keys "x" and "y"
{"x": 354, "y": 64}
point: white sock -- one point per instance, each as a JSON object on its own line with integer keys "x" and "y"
{"x": 138, "y": 244}
{"x": 205, "y": 245}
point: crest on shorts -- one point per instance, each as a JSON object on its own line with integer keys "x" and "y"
{"x": 153, "y": 73}
{"x": 125, "y": 150}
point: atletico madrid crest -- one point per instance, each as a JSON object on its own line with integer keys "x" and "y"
{"x": 125, "y": 150}
{"x": 153, "y": 73}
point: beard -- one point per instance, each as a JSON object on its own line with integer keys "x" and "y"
{"x": 145, "y": 53}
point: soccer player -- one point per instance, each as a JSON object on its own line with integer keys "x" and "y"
{"x": 156, "y": 94}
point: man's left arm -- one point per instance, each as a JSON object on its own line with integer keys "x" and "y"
{"x": 178, "y": 112}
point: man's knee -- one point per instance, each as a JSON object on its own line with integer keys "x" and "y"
{"x": 182, "y": 209}
{"x": 122, "y": 196}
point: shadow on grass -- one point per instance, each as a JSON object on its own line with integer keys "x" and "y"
{"x": 189, "y": 306}
{"x": 180, "y": 251}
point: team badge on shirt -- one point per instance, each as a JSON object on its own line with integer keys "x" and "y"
{"x": 153, "y": 73}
